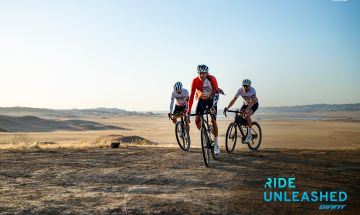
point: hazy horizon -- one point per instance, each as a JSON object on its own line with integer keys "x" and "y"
{"x": 128, "y": 54}
{"x": 164, "y": 110}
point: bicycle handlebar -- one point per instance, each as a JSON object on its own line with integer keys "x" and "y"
{"x": 197, "y": 114}
{"x": 176, "y": 115}
{"x": 232, "y": 111}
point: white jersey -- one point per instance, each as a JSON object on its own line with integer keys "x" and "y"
{"x": 181, "y": 98}
{"x": 207, "y": 90}
{"x": 247, "y": 96}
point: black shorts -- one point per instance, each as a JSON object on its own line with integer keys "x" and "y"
{"x": 204, "y": 105}
{"x": 253, "y": 108}
{"x": 179, "y": 109}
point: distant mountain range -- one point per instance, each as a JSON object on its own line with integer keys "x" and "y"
{"x": 312, "y": 108}
{"x": 76, "y": 113}
{"x": 70, "y": 113}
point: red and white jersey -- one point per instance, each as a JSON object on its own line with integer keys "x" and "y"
{"x": 203, "y": 89}
{"x": 181, "y": 98}
{"x": 207, "y": 90}
{"x": 247, "y": 96}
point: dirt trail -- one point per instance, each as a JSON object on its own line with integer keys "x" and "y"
{"x": 167, "y": 180}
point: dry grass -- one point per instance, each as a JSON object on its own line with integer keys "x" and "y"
{"x": 26, "y": 141}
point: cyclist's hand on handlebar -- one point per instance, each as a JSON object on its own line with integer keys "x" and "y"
{"x": 225, "y": 109}
{"x": 188, "y": 116}
{"x": 221, "y": 92}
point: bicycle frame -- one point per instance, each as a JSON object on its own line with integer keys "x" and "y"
{"x": 241, "y": 122}
{"x": 242, "y": 115}
{"x": 205, "y": 121}
{"x": 205, "y": 130}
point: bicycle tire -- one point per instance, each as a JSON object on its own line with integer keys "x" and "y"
{"x": 231, "y": 138}
{"x": 205, "y": 146}
{"x": 183, "y": 143}
{"x": 257, "y": 136}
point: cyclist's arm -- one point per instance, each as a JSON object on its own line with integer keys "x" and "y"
{"x": 215, "y": 87}
{"x": 187, "y": 104}
{"x": 172, "y": 103}
{"x": 192, "y": 94}
{"x": 232, "y": 102}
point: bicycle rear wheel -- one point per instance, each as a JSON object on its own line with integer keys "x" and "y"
{"x": 231, "y": 138}
{"x": 256, "y": 133}
{"x": 205, "y": 146}
{"x": 182, "y": 136}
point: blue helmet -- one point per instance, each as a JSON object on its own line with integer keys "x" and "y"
{"x": 178, "y": 87}
{"x": 202, "y": 68}
{"x": 246, "y": 82}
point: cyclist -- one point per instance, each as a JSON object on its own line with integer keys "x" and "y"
{"x": 250, "y": 105}
{"x": 181, "y": 95}
{"x": 206, "y": 88}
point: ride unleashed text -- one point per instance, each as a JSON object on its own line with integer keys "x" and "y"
{"x": 334, "y": 199}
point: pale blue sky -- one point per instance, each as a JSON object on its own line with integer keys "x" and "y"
{"x": 128, "y": 54}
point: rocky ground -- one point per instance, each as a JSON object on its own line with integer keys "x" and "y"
{"x": 167, "y": 180}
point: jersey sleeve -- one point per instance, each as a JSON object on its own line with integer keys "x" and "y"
{"x": 172, "y": 102}
{"x": 238, "y": 93}
{"x": 254, "y": 92}
{"x": 192, "y": 94}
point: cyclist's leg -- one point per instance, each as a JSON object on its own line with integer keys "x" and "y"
{"x": 200, "y": 108}
{"x": 215, "y": 127}
{"x": 177, "y": 109}
{"x": 187, "y": 124}
{"x": 248, "y": 118}
{"x": 214, "y": 123}
{"x": 198, "y": 122}
{"x": 242, "y": 109}
{"x": 215, "y": 132}
{"x": 251, "y": 112}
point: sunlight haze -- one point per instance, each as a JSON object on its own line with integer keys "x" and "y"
{"x": 128, "y": 54}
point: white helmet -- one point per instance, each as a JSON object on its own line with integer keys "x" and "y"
{"x": 178, "y": 87}
{"x": 246, "y": 82}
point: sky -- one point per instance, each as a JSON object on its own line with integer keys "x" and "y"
{"x": 129, "y": 53}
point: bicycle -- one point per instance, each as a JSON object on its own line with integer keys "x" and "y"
{"x": 207, "y": 142}
{"x": 181, "y": 132}
{"x": 241, "y": 123}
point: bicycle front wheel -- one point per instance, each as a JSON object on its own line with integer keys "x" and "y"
{"x": 182, "y": 136}
{"x": 231, "y": 137}
{"x": 256, "y": 133}
{"x": 205, "y": 146}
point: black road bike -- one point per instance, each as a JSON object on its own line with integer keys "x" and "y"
{"x": 181, "y": 132}
{"x": 240, "y": 123}
{"x": 207, "y": 140}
